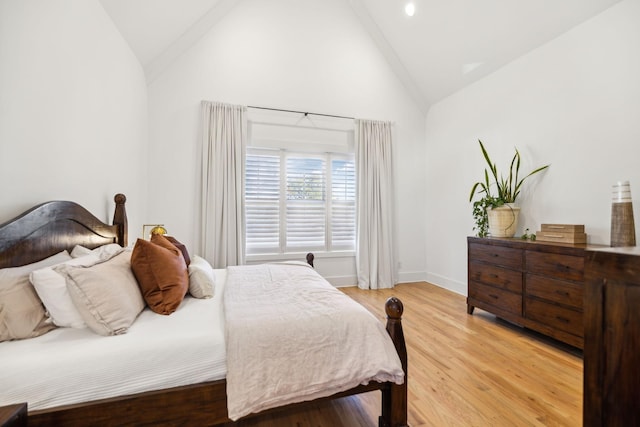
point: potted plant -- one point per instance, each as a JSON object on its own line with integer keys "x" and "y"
{"x": 494, "y": 213}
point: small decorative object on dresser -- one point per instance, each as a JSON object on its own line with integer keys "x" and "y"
{"x": 562, "y": 233}
{"x": 623, "y": 230}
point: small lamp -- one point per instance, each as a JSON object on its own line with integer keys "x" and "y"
{"x": 149, "y": 230}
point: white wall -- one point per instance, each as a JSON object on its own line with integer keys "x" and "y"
{"x": 574, "y": 103}
{"x": 72, "y": 110}
{"x": 292, "y": 54}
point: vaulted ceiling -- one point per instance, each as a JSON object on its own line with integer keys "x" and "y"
{"x": 445, "y": 46}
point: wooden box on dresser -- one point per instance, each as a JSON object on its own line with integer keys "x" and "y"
{"x": 612, "y": 338}
{"x": 538, "y": 285}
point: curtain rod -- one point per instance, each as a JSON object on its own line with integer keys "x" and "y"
{"x": 306, "y": 113}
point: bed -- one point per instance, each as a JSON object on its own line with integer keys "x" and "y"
{"x": 60, "y": 225}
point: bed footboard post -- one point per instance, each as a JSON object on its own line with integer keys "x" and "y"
{"x": 394, "y": 398}
{"x": 120, "y": 219}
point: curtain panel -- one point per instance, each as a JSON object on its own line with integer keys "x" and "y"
{"x": 375, "y": 260}
{"x": 224, "y": 138}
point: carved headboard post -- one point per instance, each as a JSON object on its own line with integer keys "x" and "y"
{"x": 310, "y": 258}
{"x": 120, "y": 219}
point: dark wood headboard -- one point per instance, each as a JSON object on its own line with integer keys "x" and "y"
{"x": 55, "y": 226}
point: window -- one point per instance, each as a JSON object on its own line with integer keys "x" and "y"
{"x": 299, "y": 201}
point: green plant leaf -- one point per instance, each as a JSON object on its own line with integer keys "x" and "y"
{"x": 508, "y": 189}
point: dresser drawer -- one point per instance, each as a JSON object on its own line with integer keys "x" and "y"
{"x": 537, "y": 285}
{"x": 498, "y": 255}
{"x": 564, "y": 267}
{"x": 497, "y": 276}
{"x": 554, "y": 316}
{"x": 567, "y": 293}
{"x": 496, "y": 297}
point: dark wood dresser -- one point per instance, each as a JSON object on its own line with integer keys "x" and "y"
{"x": 612, "y": 338}
{"x": 538, "y": 285}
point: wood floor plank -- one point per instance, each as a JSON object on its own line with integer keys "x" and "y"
{"x": 464, "y": 370}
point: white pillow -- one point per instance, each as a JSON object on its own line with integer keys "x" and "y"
{"x": 26, "y": 269}
{"x": 79, "y": 251}
{"x": 106, "y": 294}
{"x": 51, "y": 286}
{"x": 201, "y": 278}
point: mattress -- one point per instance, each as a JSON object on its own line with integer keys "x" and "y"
{"x": 67, "y": 366}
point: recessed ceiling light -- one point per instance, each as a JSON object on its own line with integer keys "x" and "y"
{"x": 410, "y": 9}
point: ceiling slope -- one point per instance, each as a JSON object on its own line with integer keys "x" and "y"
{"x": 449, "y": 44}
{"x": 445, "y": 46}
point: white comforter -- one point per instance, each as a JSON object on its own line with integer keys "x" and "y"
{"x": 292, "y": 337}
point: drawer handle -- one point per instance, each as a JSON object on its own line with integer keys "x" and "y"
{"x": 563, "y": 293}
{"x": 563, "y": 319}
{"x": 494, "y": 296}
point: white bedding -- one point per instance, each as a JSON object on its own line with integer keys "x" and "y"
{"x": 68, "y": 365}
{"x": 325, "y": 341}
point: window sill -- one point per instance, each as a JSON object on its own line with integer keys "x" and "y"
{"x": 298, "y": 256}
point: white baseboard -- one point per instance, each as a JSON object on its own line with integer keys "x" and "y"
{"x": 403, "y": 277}
{"x": 447, "y": 283}
{"x": 342, "y": 281}
{"x": 408, "y": 277}
{"x": 412, "y": 276}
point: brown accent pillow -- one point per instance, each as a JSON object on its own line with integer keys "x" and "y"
{"x": 161, "y": 273}
{"x": 183, "y": 248}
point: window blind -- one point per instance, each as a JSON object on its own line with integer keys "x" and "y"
{"x": 299, "y": 201}
{"x": 262, "y": 202}
{"x": 343, "y": 204}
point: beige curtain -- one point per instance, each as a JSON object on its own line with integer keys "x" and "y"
{"x": 224, "y": 135}
{"x": 375, "y": 260}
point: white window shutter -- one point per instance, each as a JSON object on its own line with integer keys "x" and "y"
{"x": 343, "y": 204}
{"x": 298, "y": 202}
{"x": 306, "y": 210}
{"x": 262, "y": 203}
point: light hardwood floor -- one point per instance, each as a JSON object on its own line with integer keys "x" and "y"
{"x": 463, "y": 370}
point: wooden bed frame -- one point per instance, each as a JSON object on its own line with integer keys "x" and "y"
{"x": 55, "y": 226}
